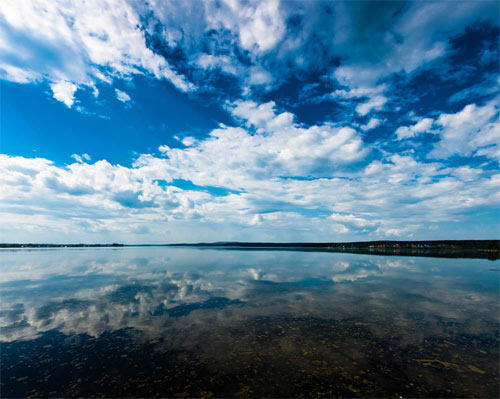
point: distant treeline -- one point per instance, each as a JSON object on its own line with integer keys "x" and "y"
{"x": 5, "y": 245}
{"x": 441, "y": 248}
{"x": 458, "y": 244}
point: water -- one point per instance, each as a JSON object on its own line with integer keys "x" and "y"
{"x": 187, "y": 322}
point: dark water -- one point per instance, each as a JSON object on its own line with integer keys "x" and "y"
{"x": 174, "y": 322}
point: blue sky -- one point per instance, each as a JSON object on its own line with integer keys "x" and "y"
{"x": 195, "y": 121}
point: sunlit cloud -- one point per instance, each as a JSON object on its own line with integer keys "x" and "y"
{"x": 169, "y": 121}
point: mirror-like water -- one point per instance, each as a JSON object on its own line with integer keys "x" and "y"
{"x": 187, "y": 322}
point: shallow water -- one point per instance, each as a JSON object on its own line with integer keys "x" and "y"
{"x": 188, "y": 322}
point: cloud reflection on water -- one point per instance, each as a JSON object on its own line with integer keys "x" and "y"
{"x": 96, "y": 290}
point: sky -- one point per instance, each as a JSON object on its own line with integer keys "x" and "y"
{"x": 228, "y": 120}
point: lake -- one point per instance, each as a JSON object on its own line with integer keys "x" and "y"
{"x": 190, "y": 322}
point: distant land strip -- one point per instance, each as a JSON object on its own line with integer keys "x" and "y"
{"x": 31, "y": 245}
{"x": 435, "y": 248}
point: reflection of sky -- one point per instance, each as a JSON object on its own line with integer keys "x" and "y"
{"x": 96, "y": 290}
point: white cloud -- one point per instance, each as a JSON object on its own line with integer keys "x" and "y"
{"x": 406, "y": 232}
{"x": 474, "y": 129}
{"x": 258, "y": 42}
{"x": 375, "y": 100}
{"x": 372, "y": 124}
{"x": 64, "y": 91}
{"x": 188, "y": 141}
{"x": 262, "y": 116}
{"x": 262, "y": 26}
{"x": 279, "y": 148}
{"x": 259, "y": 76}
{"x": 375, "y": 103}
{"x": 15, "y": 74}
{"x": 259, "y": 26}
{"x": 80, "y": 158}
{"x": 225, "y": 63}
{"x": 422, "y": 126}
{"x": 78, "y": 43}
{"x": 164, "y": 149}
{"x": 383, "y": 199}
{"x": 349, "y": 223}
{"x": 122, "y": 96}
{"x": 353, "y": 220}
{"x": 285, "y": 180}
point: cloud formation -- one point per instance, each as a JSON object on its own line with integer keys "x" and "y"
{"x": 277, "y": 148}
{"x": 79, "y": 43}
{"x": 473, "y": 129}
{"x": 122, "y": 96}
{"x": 320, "y": 122}
{"x": 277, "y": 174}
{"x": 259, "y": 43}
{"x": 64, "y": 91}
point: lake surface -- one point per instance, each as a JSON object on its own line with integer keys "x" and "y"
{"x": 188, "y": 322}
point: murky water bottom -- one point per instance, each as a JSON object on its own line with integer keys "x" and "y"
{"x": 271, "y": 358}
{"x": 358, "y": 328}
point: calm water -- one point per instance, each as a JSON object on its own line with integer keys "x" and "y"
{"x": 186, "y": 322}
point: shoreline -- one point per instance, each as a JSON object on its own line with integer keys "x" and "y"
{"x": 482, "y": 249}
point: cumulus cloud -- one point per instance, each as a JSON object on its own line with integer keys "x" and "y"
{"x": 81, "y": 191}
{"x": 422, "y": 126}
{"x": 64, "y": 91}
{"x": 372, "y": 124}
{"x": 474, "y": 129}
{"x": 278, "y": 148}
{"x": 261, "y": 25}
{"x": 373, "y": 99}
{"x": 260, "y": 43}
{"x": 262, "y": 116}
{"x": 376, "y": 103}
{"x": 222, "y": 62}
{"x": 122, "y": 96}
{"x": 278, "y": 175}
{"x": 79, "y": 43}
{"x": 350, "y": 222}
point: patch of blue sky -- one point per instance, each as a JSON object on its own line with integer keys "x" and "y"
{"x": 189, "y": 185}
{"x": 105, "y": 128}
